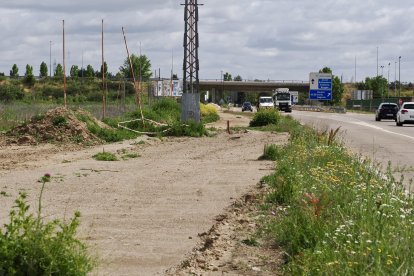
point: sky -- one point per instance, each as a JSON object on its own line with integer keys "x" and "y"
{"x": 256, "y": 39}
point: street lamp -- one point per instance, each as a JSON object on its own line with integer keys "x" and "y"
{"x": 399, "y": 77}
{"x": 388, "y": 80}
{"x": 382, "y": 70}
{"x": 50, "y": 58}
{"x": 395, "y": 80}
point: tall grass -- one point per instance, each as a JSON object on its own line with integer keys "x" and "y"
{"x": 337, "y": 214}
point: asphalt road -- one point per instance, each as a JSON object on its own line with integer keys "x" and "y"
{"x": 382, "y": 142}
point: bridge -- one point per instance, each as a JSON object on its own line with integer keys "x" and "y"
{"x": 216, "y": 88}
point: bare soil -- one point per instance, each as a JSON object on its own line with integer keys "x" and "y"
{"x": 183, "y": 206}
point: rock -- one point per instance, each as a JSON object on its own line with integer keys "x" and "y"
{"x": 26, "y": 140}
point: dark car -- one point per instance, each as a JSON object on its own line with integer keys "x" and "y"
{"x": 247, "y": 106}
{"x": 386, "y": 111}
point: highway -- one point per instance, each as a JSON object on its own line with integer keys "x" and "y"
{"x": 379, "y": 141}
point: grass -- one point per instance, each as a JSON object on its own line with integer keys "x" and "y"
{"x": 336, "y": 214}
{"x": 270, "y": 152}
{"x": 30, "y": 246}
{"x": 105, "y": 156}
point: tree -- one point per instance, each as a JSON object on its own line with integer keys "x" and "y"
{"x": 59, "y": 71}
{"x": 337, "y": 86}
{"x": 227, "y": 77}
{"x": 14, "y": 72}
{"x": 378, "y": 85}
{"x": 74, "y": 72}
{"x": 238, "y": 78}
{"x": 90, "y": 73}
{"x": 105, "y": 71}
{"x": 43, "y": 70}
{"x": 29, "y": 78}
{"x": 141, "y": 65}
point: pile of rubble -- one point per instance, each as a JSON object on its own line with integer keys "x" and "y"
{"x": 59, "y": 125}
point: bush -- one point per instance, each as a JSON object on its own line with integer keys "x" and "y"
{"x": 208, "y": 113}
{"x": 10, "y": 92}
{"x": 270, "y": 152}
{"x": 265, "y": 117}
{"x": 105, "y": 156}
{"x": 29, "y": 246}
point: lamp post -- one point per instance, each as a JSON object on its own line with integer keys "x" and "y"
{"x": 382, "y": 70}
{"x": 388, "y": 80}
{"x": 50, "y": 58}
{"x": 381, "y": 87}
{"x": 399, "y": 77}
{"x": 395, "y": 80}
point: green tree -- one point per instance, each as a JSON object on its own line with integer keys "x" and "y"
{"x": 74, "y": 72}
{"x": 14, "y": 72}
{"x": 29, "y": 78}
{"x": 227, "y": 77}
{"x": 43, "y": 70}
{"x": 141, "y": 65}
{"x": 337, "y": 87}
{"x": 59, "y": 71}
{"x": 378, "y": 85}
{"x": 238, "y": 78}
{"x": 89, "y": 73}
{"x": 105, "y": 70}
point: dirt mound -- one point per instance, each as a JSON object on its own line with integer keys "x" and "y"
{"x": 59, "y": 125}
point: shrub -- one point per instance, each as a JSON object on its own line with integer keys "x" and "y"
{"x": 265, "y": 117}
{"x": 208, "y": 113}
{"x": 10, "y": 92}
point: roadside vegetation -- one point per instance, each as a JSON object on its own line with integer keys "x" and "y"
{"x": 334, "y": 213}
{"x": 29, "y": 245}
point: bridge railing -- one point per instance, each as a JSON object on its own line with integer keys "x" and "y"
{"x": 258, "y": 81}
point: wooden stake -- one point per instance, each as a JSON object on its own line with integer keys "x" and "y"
{"x": 103, "y": 76}
{"x": 133, "y": 77}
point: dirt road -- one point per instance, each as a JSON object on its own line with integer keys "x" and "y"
{"x": 142, "y": 215}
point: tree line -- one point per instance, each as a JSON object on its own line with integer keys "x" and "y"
{"x": 141, "y": 67}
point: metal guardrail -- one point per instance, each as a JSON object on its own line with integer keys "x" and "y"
{"x": 326, "y": 109}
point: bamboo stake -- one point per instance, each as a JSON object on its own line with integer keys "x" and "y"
{"x": 138, "y": 100}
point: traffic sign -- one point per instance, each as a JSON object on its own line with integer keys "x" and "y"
{"x": 320, "y": 85}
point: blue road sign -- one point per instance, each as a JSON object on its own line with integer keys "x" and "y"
{"x": 320, "y": 85}
{"x": 321, "y": 94}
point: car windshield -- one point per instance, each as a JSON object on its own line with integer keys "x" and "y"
{"x": 409, "y": 106}
{"x": 388, "y": 106}
{"x": 265, "y": 100}
{"x": 247, "y": 104}
{"x": 283, "y": 96}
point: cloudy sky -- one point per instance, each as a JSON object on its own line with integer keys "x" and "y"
{"x": 256, "y": 39}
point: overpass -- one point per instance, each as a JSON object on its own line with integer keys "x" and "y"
{"x": 216, "y": 88}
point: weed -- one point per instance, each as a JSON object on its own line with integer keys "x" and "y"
{"x": 270, "y": 152}
{"x": 250, "y": 242}
{"x": 105, "y": 156}
{"x": 30, "y": 246}
{"x": 59, "y": 121}
{"x": 130, "y": 156}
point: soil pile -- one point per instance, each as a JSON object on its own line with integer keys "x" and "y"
{"x": 59, "y": 125}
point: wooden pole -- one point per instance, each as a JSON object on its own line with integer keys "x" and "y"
{"x": 133, "y": 77}
{"x": 103, "y": 76}
{"x": 64, "y": 67}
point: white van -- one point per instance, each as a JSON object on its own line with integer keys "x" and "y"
{"x": 265, "y": 102}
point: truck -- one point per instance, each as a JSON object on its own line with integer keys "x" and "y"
{"x": 265, "y": 102}
{"x": 282, "y": 99}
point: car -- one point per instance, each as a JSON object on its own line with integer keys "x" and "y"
{"x": 406, "y": 114}
{"x": 247, "y": 106}
{"x": 386, "y": 111}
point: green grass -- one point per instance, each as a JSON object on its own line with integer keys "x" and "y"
{"x": 31, "y": 246}
{"x": 336, "y": 214}
{"x": 105, "y": 156}
{"x": 270, "y": 152}
{"x": 265, "y": 117}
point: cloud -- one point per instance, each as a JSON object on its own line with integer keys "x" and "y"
{"x": 260, "y": 39}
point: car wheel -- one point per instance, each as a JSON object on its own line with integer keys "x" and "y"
{"x": 377, "y": 119}
{"x": 398, "y": 123}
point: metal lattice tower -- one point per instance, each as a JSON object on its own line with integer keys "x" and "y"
{"x": 191, "y": 95}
